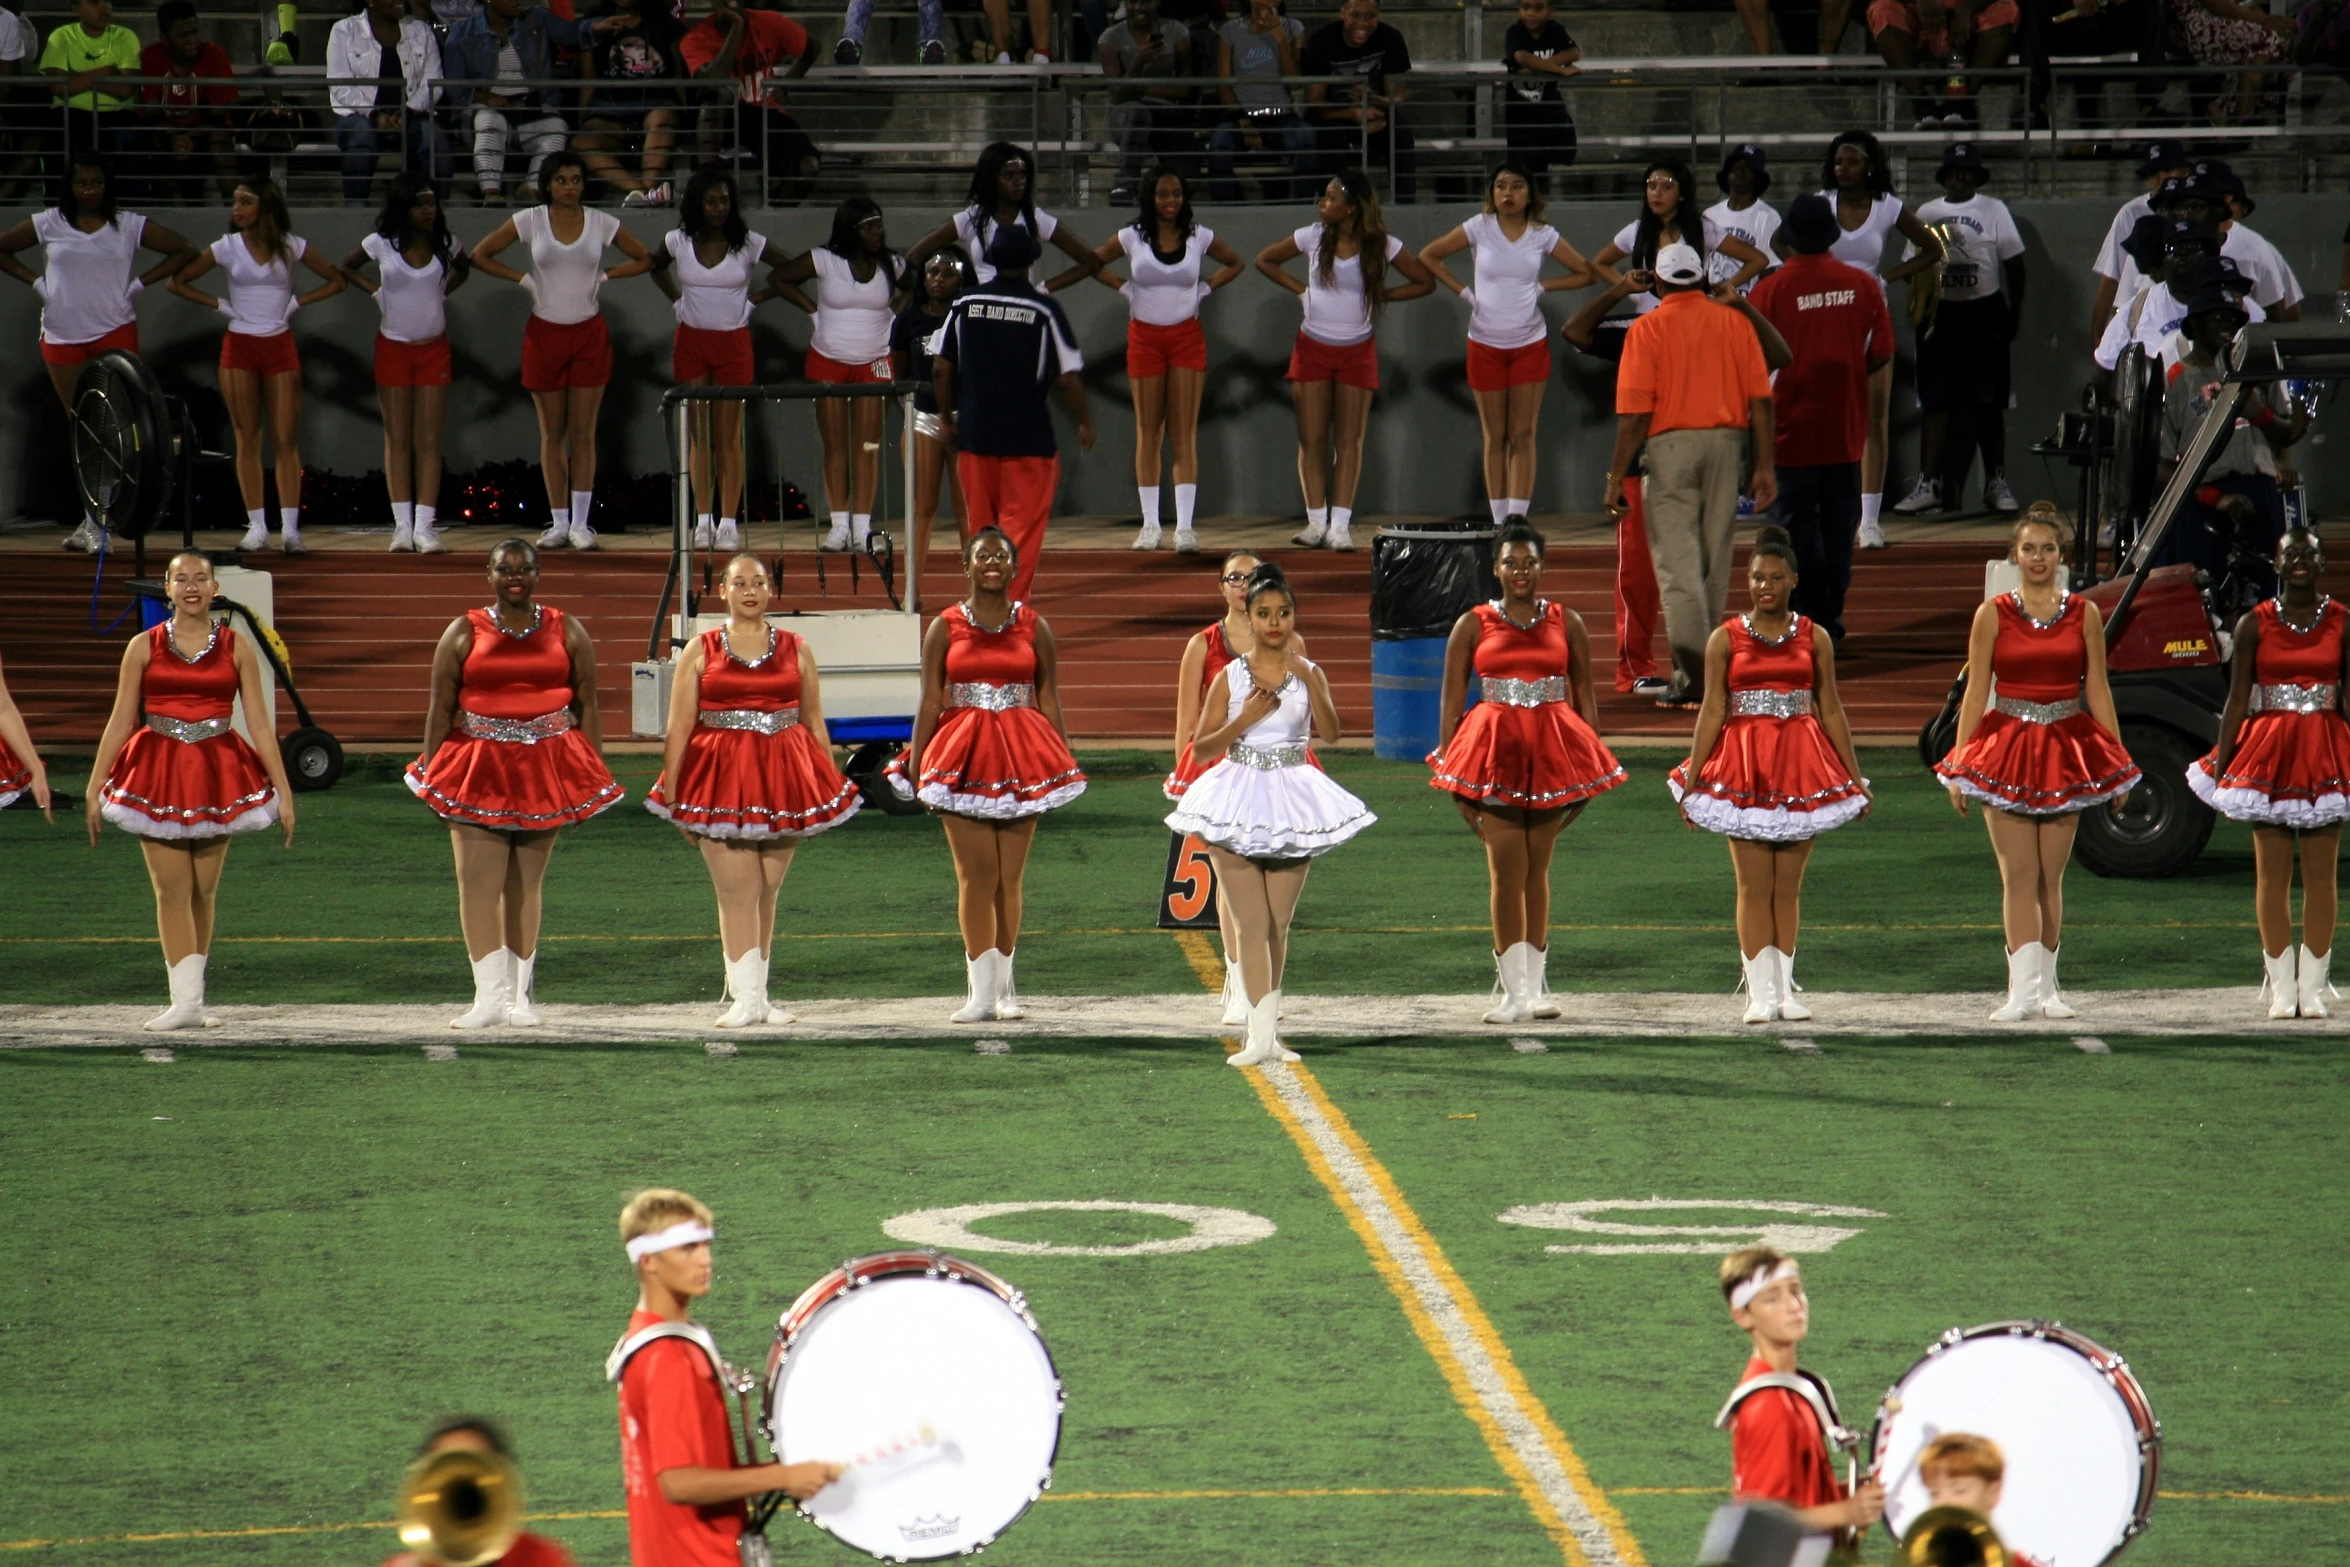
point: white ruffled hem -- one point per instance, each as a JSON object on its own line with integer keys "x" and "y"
{"x": 1775, "y": 825}
{"x": 141, "y": 825}
{"x": 9, "y": 797}
{"x": 996, "y": 807}
{"x": 750, "y": 832}
{"x": 1975, "y": 791}
{"x": 2250, "y": 805}
{"x": 1267, "y": 840}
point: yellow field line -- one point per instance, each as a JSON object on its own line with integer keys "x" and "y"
{"x": 1297, "y": 1493}
{"x": 1202, "y": 958}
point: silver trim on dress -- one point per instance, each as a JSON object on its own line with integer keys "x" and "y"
{"x": 2036, "y": 712}
{"x": 1266, "y": 758}
{"x": 1760, "y": 703}
{"x": 515, "y": 731}
{"x": 188, "y": 731}
{"x": 990, "y": 695}
{"x": 2294, "y": 697}
{"x": 1523, "y": 693}
{"x": 756, "y": 720}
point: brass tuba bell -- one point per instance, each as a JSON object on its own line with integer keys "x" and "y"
{"x": 1951, "y": 1537}
{"x": 461, "y": 1507}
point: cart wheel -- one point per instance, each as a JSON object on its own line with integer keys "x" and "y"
{"x": 865, "y": 771}
{"x": 2158, "y": 828}
{"x": 314, "y": 760}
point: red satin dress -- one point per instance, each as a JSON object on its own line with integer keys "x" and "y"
{"x": 993, "y": 754}
{"x": 2291, "y": 765}
{"x": 1188, "y": 767}
{"x": 16, "y": 776}
{"x": 185, "y": 773}
{"x": 1774, "y": 776}
{"x": 751, "y": 768}
{"x": 2037, "y": 751}
{"x": 515, "y": 760}
{"x": 1523, "y": 744}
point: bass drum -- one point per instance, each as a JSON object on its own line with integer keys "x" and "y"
{"x": 2083, "y": 1447}
{"x": 927, "y": 1377}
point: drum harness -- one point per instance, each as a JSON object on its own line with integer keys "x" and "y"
{"x": 752, "y": 1543}
{"x": 1819, "y": 1398}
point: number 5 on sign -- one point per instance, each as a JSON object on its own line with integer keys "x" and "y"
{"x": 1189, "y": 901}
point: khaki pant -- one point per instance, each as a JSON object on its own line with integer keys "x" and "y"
{"x": 1692, "y": 503}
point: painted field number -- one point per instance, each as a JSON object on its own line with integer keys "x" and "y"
{"x": 1689, "y": 1240}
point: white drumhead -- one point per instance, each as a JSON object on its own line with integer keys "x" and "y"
{"x": 2073, "y": 1460}
{"x": 946, "y": 1393}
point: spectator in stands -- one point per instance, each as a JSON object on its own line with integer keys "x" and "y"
{"x": 2246, "y": 464}
{"x": 2175, "y": 254}
{"x": 80, "y": 56}
{"x": 1358, "y": 125}
{"x": 511, "y": 44}
{"x": 930, "y": 13}
{"x": 194, "y": 118}
{"x": 999, "y": 36}
{"x": 1150, "y": 120}
{"x": 2228, "y": 32}
{"x": 1963, "y": 388}
{"x": 1693, "y": 386}
{"x": 21, "y": 106}
{"x": 1669, "y": 215}
{"x": 1252, "y": 53}
{"x": 2050, "y": 28}
{"x": 747, "y": 48}
{"x": 621, "y": 106}
{"x": 1741, "y": 214}
{"x": 2164, "y": 160}
{"x": 389, "y": 65}
{"x": 1538, "y": 54}
{"x": 1942, "y": 38}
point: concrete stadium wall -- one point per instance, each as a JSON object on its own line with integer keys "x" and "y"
{"x": 1422, "y": 456}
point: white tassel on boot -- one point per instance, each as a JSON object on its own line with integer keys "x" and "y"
{"x": 1261, "y": 1044}
{"x": 1762, "y": 986}
{"x": 1790, "y": 1009}
{"x": 775, "y": 1014}
{"x": 1235, "y": 997}
{"x": 1538, "y": 998}
{"x": 521, "y": 1010}
{"x": 2282, "y": 987}
{"x": 746, "y": 987}
{"x": 979, "y": 1007}
{"x": 2023, "y": 984}
{"x": 1510, "y": 965}
{"x": 2051, "y": 1003}
{"x": 2312, "y": 985}
{"x": 187, "y": 998}
{"x": 1007, "y": 994}
{"x": 493, "y": 983}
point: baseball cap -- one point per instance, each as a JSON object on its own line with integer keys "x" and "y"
{"x": 1678, "y": 263}
{"x": 1962, "y": 155}
{"x": 1757, "y": 163}
{"x": 1811, "y": 225}
{"x": 2162, "y": 155}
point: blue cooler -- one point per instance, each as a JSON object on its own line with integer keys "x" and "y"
{"x": 1422, "y": 580}
{"x": 1407, "y": 681}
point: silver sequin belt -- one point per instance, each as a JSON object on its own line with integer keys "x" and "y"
{"x": 995, "y": 698}
{"x": 2037, "y": 712}
{"x": 2294, "y": 698}
{"x": 756, "y": 720}
{"x": 515, "y": 731}
{"x": 188, "y": 730}
{"x": 1770, "y": 704}
{"x": 1267, "y": 758}
{"x": 1523, "y": 693}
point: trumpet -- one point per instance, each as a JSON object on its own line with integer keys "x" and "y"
{"x": 461, "y": 1507}
{"x": 1951, "y": 1537}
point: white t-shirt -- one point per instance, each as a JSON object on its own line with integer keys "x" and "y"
{"x": 1629, "y": 235}
{"x": 16, "y": 37}
{"x": 852, "y": 318}
{"x": 967, "y": 232}
{"x": 260, "y": 298}
{"x": 87, "y": 281}
{"x": 564, "y": 280}
{"x": 713, "y": 299}
{"x": 2273, "y": 283}
{"x": 1755, "y": 224}
{"x": 2150, "y": 318}
{"x": 1159, "y": 294}
{"x": 414, "y": 300}
{"x": 1864, "y": 247}
{"x": 1983, "y": 234}
{"x": 1508, "y": 311}
{"x": 2110, "y": 256}
{"x": 1337, "y": 312}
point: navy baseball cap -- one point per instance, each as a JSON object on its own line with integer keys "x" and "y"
{"x": 2161, "y": 155}
{"x": 1757, "y": 163}
{"x": 1962, "y": 155}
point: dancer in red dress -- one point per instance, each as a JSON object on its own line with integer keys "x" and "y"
{"x": 21, "y": 771}
{"x": 1525, "y": 760}
{"x": 2283, "y": 765}
{"x": 171, "y": 770}
{"x": 753, "y": 764}
{"x": 513, "y": 752}
{"x": 990, "y": 755}
{"x": 1770, "y": 767}
{"x": 2041, "y": 751}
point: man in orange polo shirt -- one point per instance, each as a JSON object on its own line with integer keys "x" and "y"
{"x": 1691, "y": 386}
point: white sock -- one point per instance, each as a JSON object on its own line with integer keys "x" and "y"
{"x": 860, "y": 527}
{"x": 701, "y": 522}
{"x": 1514, "y": 507}
{"x": 1500, "y": 509}
{"x": 1150, "y": 504}
{"x": 559, "y": 517}
{"x": 840, "y": 522}
{"x": 1870, "y": 506}
{"x": 1317, "y": 518}
{"x": 1186, "y": 502}
{"x": 258, "y": 519}
{"x": 583, "y": 505}
{"x": 290, "y": 518}
{"x": 1340, "y": 516}
{"x": 725, "y": 523}
{"x": 404, "y": 514}
{"x": 426, "y": 516}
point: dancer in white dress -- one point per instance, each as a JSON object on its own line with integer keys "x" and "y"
{"x": 1266, "y": 810}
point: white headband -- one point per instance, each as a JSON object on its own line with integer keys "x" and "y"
{"x": 686, "y": 1232}
{"x": 1759, "y": 1280}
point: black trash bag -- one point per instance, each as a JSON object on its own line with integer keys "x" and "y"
{"x": 1422, "y": 582}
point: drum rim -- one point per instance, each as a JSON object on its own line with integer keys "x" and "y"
{"x": 2106, "y": 1362}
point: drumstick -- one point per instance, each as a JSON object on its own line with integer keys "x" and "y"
{"x": 921, "y": 1436}
{"x": 1929, "y": 1432}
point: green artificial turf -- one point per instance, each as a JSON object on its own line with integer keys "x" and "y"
{"x": 1905, "y": 900}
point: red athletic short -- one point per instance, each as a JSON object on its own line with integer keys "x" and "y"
{"x": 725, "y": 357}
{"x": 1904, "y": 16}
{"x": 1495, "y": 369}
{"x": 831, "y": 372}
{"x": 411, "y": 364}
{"x": 1354, "y": 365}
{"x": 558, "y": 356}
{"x": 126, "y": 336}
{"x": 271, "y": 355}
{"x": 1014, "y": 494}
{"x": 1154, "y": 350}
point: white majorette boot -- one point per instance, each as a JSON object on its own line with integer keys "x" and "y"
{"x": 2282, "y": 987}
{"x": 1509, "y": 965}
{"x": 493, "y": 984}
{"x": 979, "y": 1007}
{"x": 1790, "y": 1009}
{"x": 1762, "y": 986}
{"x": 1281, "y": 1052}
{"x": 775, "y": 1014}
{"x": 1235, "y": 997}
{"x": 187, "y": 998}
{"x": 2311, "y": 984}
{"x": 1261, "y": 1046}
{"x": 2052, "y": 1004}
{"x": 746, "y": 988}
{"x": 2023, "y": 984}
{"x": 1539, "y": 1002}
{"x": 521, "y": 1012}
{"x": 1007, "y": 994}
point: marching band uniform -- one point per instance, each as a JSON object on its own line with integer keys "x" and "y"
{"x": 2038, "y": 752}
{"x": 1188, "y": 766}
{"x": 1524, "y": 745}
{"x": 994, "y": 755}
{"x": 1265, "y": 799}
{"x": 1774, "y": 776}
{"x": 673, "y": 1415}
{"x": 185, "y": 773}
{"x": 515, "y": 760}
{"x": 752, "y": 769}
{"x": 1779, "y": 1438}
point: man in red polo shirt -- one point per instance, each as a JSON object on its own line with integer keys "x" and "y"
{"x": 753, "y": 50}
{"x": 686, "y": 1488}
{"x": 1834, "y": 318}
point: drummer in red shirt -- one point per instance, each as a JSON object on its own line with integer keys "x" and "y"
{"x": 471, "y": 1433}
{"x": 686, "y": 1489}
{"x": 1781, "y": 1420}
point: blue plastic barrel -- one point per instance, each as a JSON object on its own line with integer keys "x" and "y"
{"x": 1407, "y": 677}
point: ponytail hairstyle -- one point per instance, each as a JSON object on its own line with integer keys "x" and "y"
{"x": 1519, "y": 531}
{"x": 393, "y": 224}
{"x": 1880, "y": 180}
{"x": 273, "y": 226}
{"x": 1774, "y": 542}
{"x": 1688, "y": 218}
{"x": 1270, "y": 578}
{"x": 844, "y": 243}
{"x": 1370, "y": 234}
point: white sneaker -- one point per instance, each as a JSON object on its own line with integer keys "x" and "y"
{"x": 1186, "y": 542}
{"x": 701, "y": 533}
{"x": 583, "y": 537}
{"x": 730, "y": 536}
{"x": 256, "y": 537}
{"x": 1340, "y": 538}
{"x": 403, "y": 538}
{"x": 837, "y": 539}
{"x": 1148, "y": 538}
{"x": 658, "y": 196}
{"x": 1924, "y": 496}
{"x": 1871, "y": 536}
{"x": 290, "y": 542}
{"x": 428, "y": 540}
{"x": 1999, "y": 495}
{"x": 860, "y": 533}
{"x": 555, "y": 537}
{"x": 1311, "y": 535}
{"x": 84, "y": 539}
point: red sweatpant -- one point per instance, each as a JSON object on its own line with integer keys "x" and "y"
{"x": 1016, "y": 495}
{"x": 1637, "y": 605}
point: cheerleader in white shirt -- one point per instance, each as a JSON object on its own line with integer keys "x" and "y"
{"x": 420, "y": 263}
{"x": 1166, "y": 352}
{"x": 857, "y": 279}
{"x": 714, "y": 254}
{"x": 1509, "y": 343}
{"x": 89, "y": 278}
{"x": 1000, "y": 194}
{"x": 1669, "y": 215}
{"x": 260, "y": 372}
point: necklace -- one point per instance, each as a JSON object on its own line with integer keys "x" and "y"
{"x": 727, "y": 641}
{"x": 1010, "y": 614}
{"x": 2063, "y": 598}
{"x": 1501, "y": 607}
{"x": 538, "y": 614}
{"x": 1747, "y": 620}
{"x": 171, "y": 640}
{"x": 2314, "y": 620}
